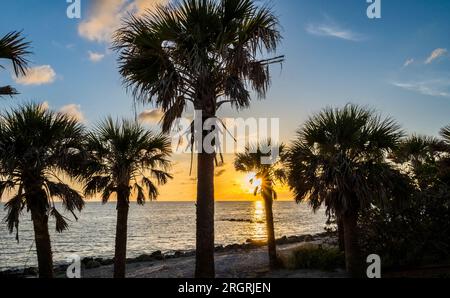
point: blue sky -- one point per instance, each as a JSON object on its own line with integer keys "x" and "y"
{"x": 334, "y": 55}
{"x": 398, "y": 65}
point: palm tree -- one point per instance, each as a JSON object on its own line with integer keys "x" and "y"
{"x": 14, "y": 48}
{"x": 125, "y": 158}
{"x": 420, "y": 156}
{"x": 37, "y": 147}
{"x": 251, "y": 162}
{"x": 204, "y": 53}
{"x": 339, "y": 160}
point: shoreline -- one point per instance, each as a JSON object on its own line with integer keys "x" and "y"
{"x": 89, "y": 263}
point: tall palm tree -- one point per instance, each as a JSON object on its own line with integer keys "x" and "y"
{"x": 14, "y": 48}
{"x": 251, "y": 162}
{"x": 338, "y": 160}
{"x": 124, "y": 159}
{"x": 37, "y": 147}
{"x": 204, "y": 53}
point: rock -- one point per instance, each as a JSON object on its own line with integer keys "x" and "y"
{"x": 157, "y": 255}
{"x": 308, "y": 238}
{"x": 84, "y": 261}
{"x": 144, "y": 258}
{"x": 92, "y": 264}
{"x": 30, "y": 272}
{"x": 178, "y": 254}
{"x": 107, "y": 262}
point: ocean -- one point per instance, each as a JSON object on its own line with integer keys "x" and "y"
{"x": 164, "y": 226}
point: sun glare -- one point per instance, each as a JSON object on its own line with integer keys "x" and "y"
{"x": 250, "y": 182}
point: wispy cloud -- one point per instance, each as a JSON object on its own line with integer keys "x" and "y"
{"x": 436, "y": 54}
{"x": 104, "y": 17}
{"x": 408, "y": 62}
{"x": 435, "y": 88}
{"x": 39, "y": 75}
{"x": 95, "y": 57}
{"x": 331, "y": 29}
{"x": 151, "y": 116}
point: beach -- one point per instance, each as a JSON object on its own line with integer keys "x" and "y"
{"x": 248, "y": 260}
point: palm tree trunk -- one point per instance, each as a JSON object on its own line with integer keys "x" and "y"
{"x": 120, "y": 255}
{"x": 352, "y": 252}
{"x": 43, "y": 245}
{"x": 204, "y": 266}
{"x": 340, "y": 230}
{"x": 271, "y": 234}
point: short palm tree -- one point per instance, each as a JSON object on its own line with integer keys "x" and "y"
{"x": 420, "y": 156}
{"x": 37, "y": 147}
{"x": 251, "y": 161}
{"x": 338, "y": 160}
{"x": 125, "y": 158}
{"x": 204, "y": 53}
{"x": 13, "y": 47}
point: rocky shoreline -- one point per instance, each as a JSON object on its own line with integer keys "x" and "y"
{"x": 93, "y": 262}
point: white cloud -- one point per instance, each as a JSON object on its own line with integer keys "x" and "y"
{"x": 151, "y": 116}
{"x": 105, "y": 17}
{"x": 45, "y": 105}
{"x": 38, "y": 75}
{"x": 436, "y": 88}
{"x": 95, "y": 57}
{"x": 330, "y": 29}
{"x": 436, "y": 54}
{"x": 408, "y": 62}
{"x": 73, "y": 110}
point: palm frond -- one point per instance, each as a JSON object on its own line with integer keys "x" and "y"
{"x": 61, "y": 221}
{"x": 14, "y": 47}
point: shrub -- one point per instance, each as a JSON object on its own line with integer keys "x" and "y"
{"x": 315, "y": 257}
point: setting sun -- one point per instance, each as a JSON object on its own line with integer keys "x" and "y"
{"x": 251, "y": 182}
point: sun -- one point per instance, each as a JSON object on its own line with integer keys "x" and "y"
{"x": 250, "y": 182}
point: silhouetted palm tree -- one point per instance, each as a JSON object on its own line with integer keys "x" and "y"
{"x": 420, "y": 156}
{"x": 204, "y": 53}
{"x": 14, "y": 48}
{"x": 251, "y": 161}
{"x": 125, "y": 159}
{"x": 444, "y": 164}
{"x": 37, "y": 147}
{"x": 338, "y": 160}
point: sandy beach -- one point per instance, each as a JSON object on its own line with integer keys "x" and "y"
{"x": 233, "y": 263}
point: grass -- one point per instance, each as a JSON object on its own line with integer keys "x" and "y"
{"x": 312, "y": 256}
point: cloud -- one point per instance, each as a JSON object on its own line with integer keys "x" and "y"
{"x": 436, "y": 54}
{"x": 408, "y": 62}
{"x": 73, "y": 110}
{"x": 38, "y": 75}
{"x": 45, "y": 105}
{"x": 151, "y": 116}
{"x": 105, "y": 16}
{"x": 436, "y": 88}
{"x": 330, "y": 29}
{"x": 95, "y": 57}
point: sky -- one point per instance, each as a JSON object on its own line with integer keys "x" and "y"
{"x": 398, "y": 64}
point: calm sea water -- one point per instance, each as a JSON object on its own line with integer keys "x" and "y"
{"x": 164, "y": 226}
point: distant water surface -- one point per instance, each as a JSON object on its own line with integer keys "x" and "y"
{"x": 165, "y": 226}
